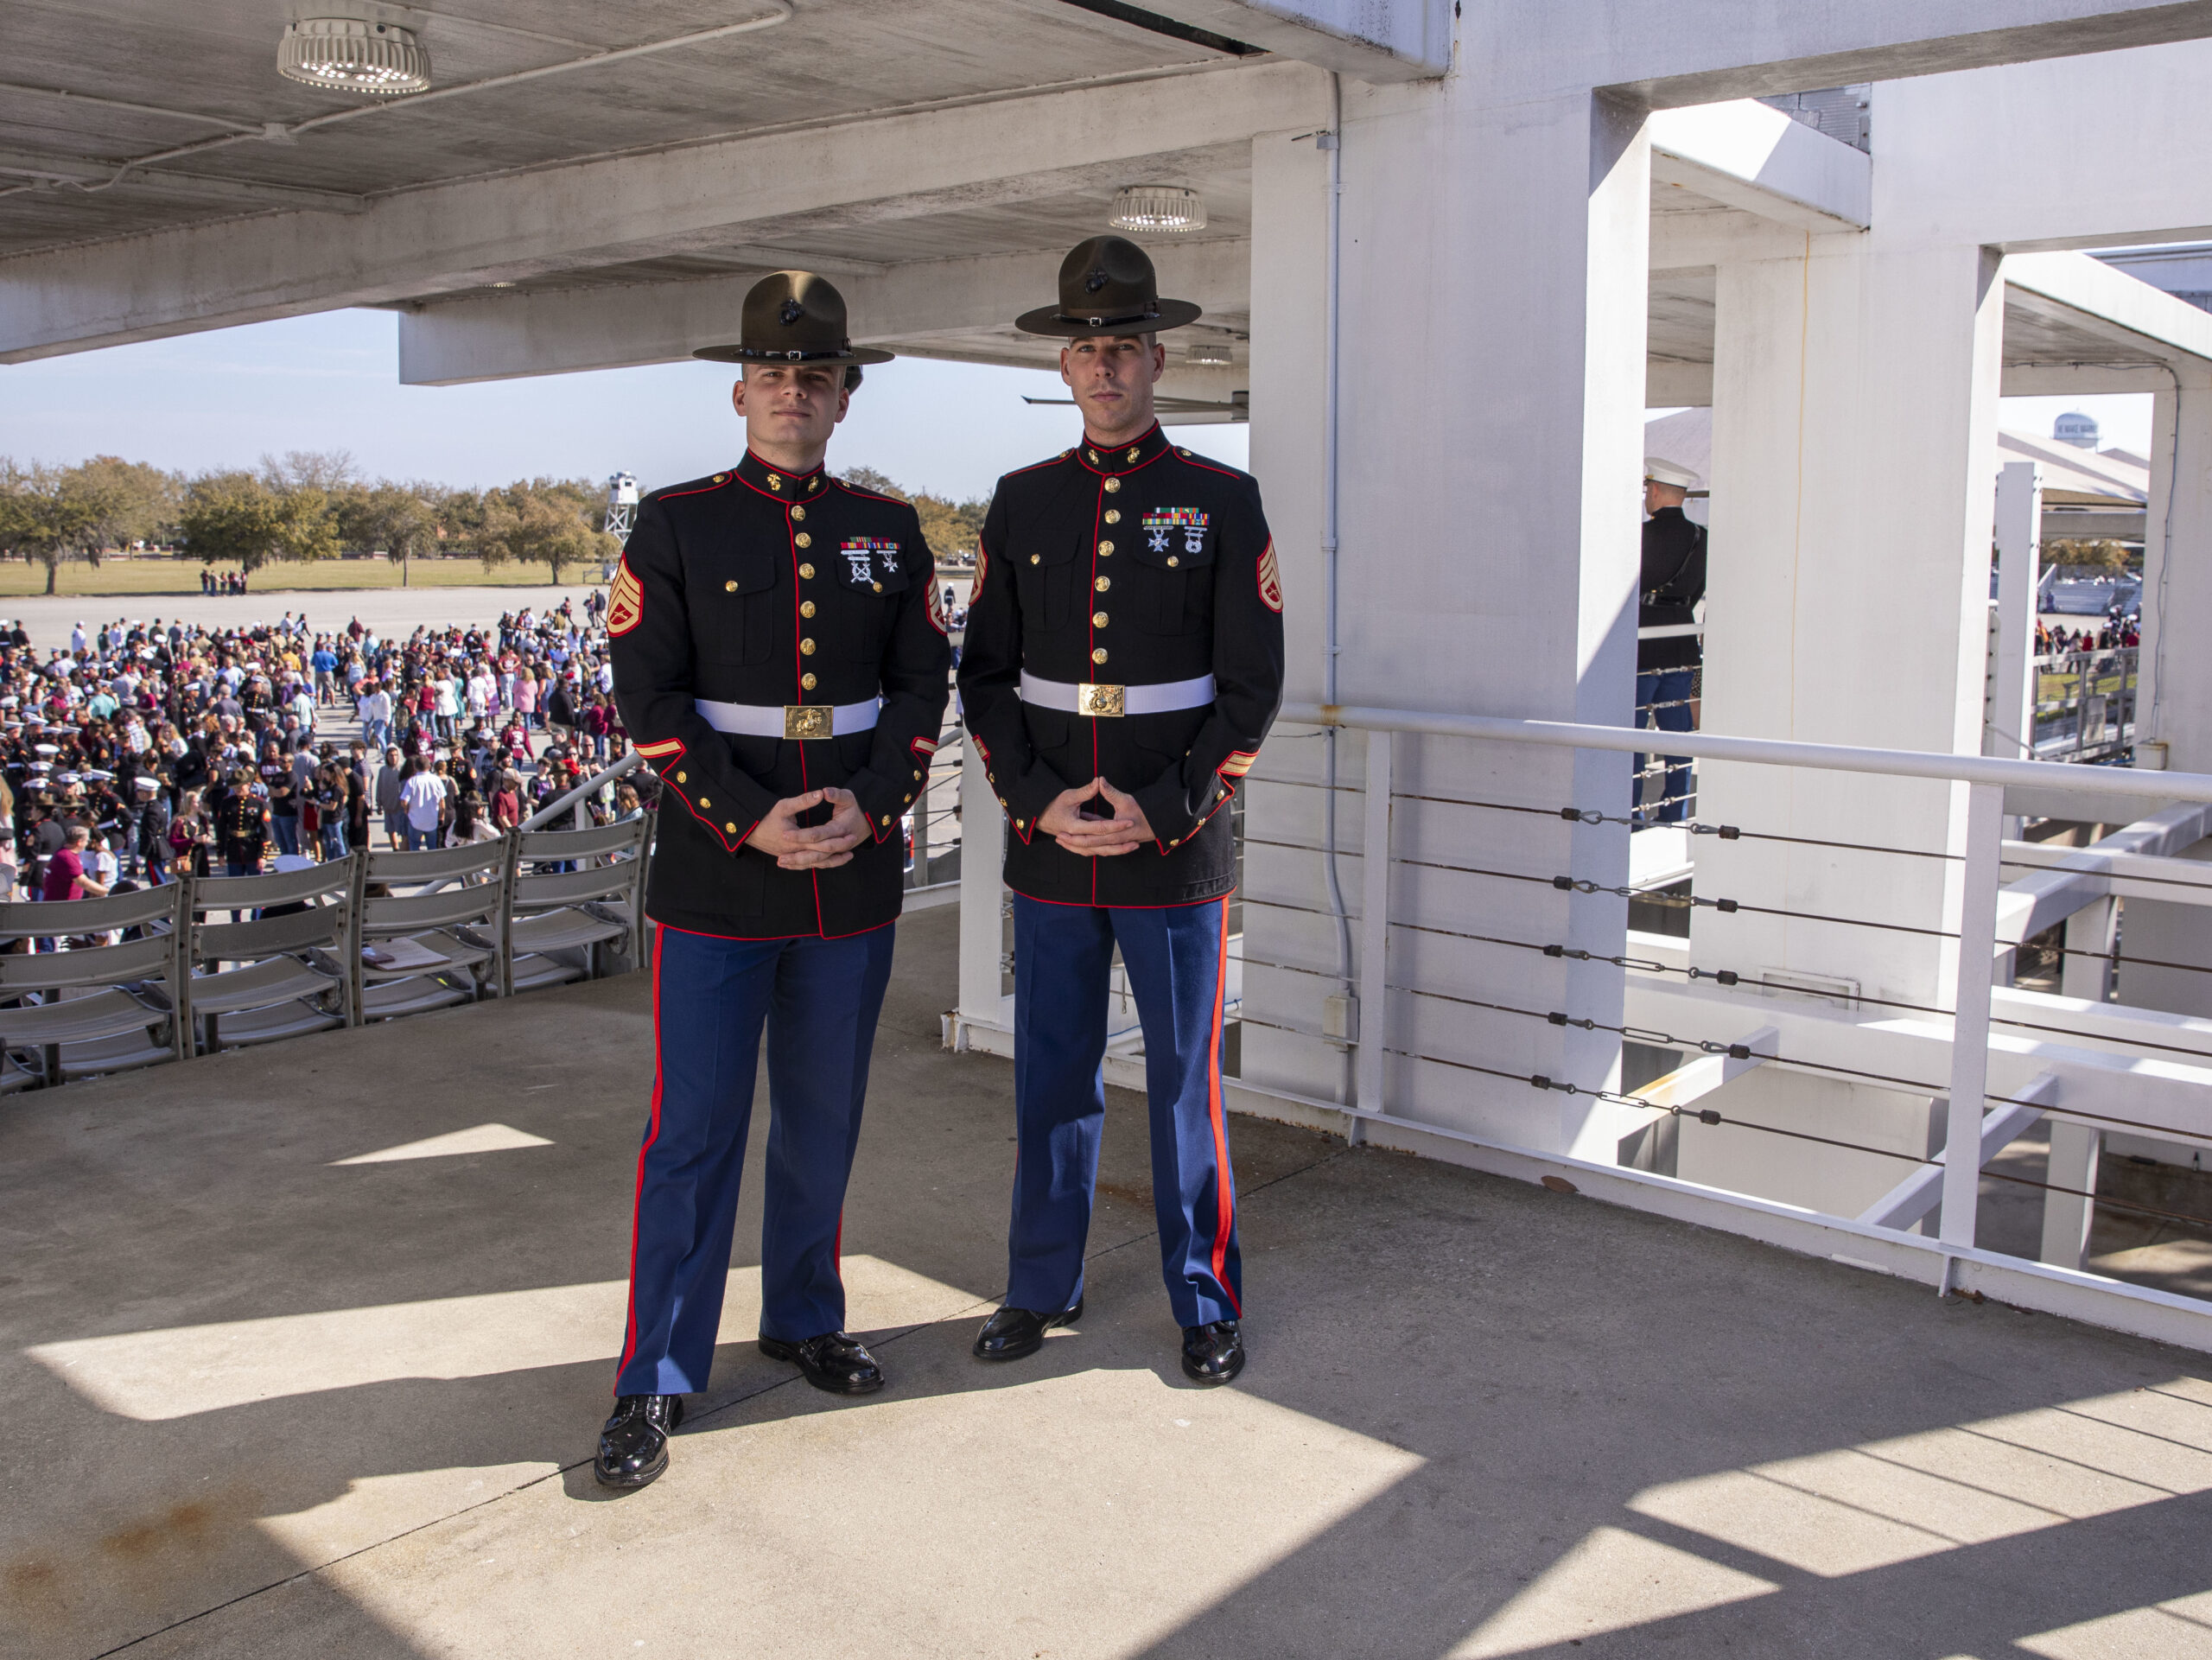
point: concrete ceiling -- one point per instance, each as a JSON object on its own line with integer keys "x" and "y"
{"x": 214, "y": 62}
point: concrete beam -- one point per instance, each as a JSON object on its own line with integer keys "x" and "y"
{"x": 1745, "y": 154}
{"x": 1395, "y": 40}
{"x": 1634, "y": 48}
{"x": 522, "y": 226}
{"x": 2088, "y": 294}
{"x": 1673, "y": 382}
{"x": 1720, "y": 236}
{"x": 2081, "y": 379}
{"x": 556, "y": 331}
{"x": 70, "y": 170}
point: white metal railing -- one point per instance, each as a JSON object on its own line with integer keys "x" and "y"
{"x": 2089, "y": 1068}
{"x": 2167, "y": 1104}
{"x": 2084, "y": 707}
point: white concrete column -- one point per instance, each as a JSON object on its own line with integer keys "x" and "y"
{"x": 982, "y": 894}
{"x": 2067, "y": 1217}
{"x": 1491, "y": 430}
{"x": 1854, "y": 422}
{"x": 2176, "y": 694}
{"x": 2175, "y": 697}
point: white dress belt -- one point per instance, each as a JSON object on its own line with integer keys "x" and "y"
{"x": 776, "y": 720}
{"x": 1087, "y": 697}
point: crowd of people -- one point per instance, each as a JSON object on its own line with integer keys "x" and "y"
{"x": 144, "y": 749}
{"x": 2060, "y": 640}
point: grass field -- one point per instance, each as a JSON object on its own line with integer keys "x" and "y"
{"x": 19, "y": 579}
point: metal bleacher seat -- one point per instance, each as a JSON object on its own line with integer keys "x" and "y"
{"x": 96, "y": 1007}
{"x": 560, "y": 922}
{"x": 439, "y": 945}
{"x": 293, "y": 970}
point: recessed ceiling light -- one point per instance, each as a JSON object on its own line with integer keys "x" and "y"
{"x": 1208, "y": 355}
{"x": 346, "y": 54}
{"x": 1158, "y": 209}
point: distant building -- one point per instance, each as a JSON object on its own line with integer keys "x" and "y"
{"x": 2080, "y": 430}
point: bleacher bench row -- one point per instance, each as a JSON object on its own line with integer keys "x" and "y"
{"x": 215, "y": 962}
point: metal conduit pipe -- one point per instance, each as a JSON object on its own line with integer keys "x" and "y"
{"x": 282, "y": 133}
{"x": 1332, "y": 142}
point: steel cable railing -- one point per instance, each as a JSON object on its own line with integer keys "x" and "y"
{"x": 1967, "y": 1090}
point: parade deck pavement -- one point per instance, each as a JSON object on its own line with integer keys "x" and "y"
{"x": 271, "y": 1396}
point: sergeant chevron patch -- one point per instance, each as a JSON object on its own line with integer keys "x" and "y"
{"x": 626, "y": 605}
{"x": 1270, "y": 580}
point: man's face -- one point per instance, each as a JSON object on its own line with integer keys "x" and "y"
{"x": 791, "y": 405}
{"x": 1112, "y": 378}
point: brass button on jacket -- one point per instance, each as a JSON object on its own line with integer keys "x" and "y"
{"x": 711, "y": 607}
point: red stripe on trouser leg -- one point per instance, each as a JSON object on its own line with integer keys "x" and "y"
{"x": 837, "y": 1249}
{"x": 1224, "y": 1201}
{"x": 652, "y": 1135}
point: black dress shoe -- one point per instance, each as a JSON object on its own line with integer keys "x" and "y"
{"x": 837, "y": 1361}
{"x": 1213, "y": 1353}
{"x": 633, "y": 1443}
{"x": 1013, "y": 1332}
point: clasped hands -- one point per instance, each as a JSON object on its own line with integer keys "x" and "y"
{"x": 820, "y": 847}
{"x": 1096, "y": 838}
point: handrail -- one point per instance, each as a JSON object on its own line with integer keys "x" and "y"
{"x": 545, "y": 816}
{"x": 1772, "y": 752}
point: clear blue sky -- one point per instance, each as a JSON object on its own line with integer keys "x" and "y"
{"x": 331, "y": 382}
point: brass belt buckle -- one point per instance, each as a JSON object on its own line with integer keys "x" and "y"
{"x": 807, "y": 721}
{"x": 1094, "y": 699}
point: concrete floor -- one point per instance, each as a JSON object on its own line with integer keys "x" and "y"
{"x": 265, "y": 1402}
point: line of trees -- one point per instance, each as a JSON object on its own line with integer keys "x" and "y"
{"x": 951, "y": 528}
{"x": 304, "y": 504}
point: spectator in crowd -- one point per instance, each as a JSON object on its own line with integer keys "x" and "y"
{"x": 67, "y": 877}
{"x": 422, "y": 799}
{"x": 192, "y": 837}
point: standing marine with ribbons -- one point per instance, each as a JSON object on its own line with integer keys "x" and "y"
{"x": 1123, "y": 661}
{"x": 780, "y": 658}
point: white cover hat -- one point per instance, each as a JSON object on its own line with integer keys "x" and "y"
{"x": 1659, "y": 470}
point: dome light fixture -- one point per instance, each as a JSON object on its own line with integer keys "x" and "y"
{"x": 1158, "y": 209}
{"x": 1208, "y": 355}
{"x": 347, "y": 54}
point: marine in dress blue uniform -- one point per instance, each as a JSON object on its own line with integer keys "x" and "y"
{"x": 1671, "y": 583}
{"x": 781, "y": 657}
{"x": 1124, "y": 645}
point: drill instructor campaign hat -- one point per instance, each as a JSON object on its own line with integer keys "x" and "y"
{"x": 1108, "y": 287}
{"x": 792, "y": 316}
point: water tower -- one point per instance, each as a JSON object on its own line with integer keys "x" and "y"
{"x": 621, "y": 504}
{"x": 2076, "y": 428}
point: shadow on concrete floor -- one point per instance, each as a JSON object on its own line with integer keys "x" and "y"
{"x": 264, "y": 1404}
